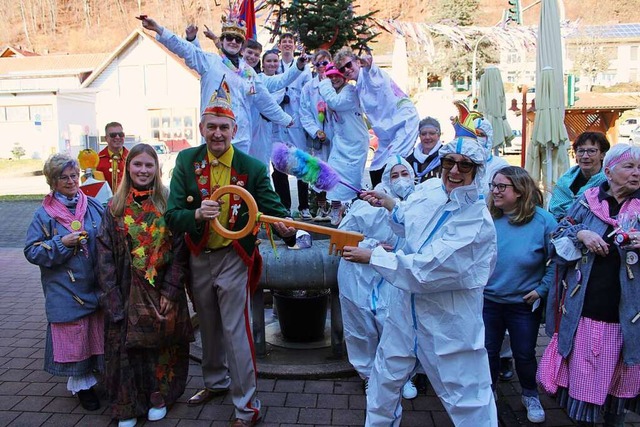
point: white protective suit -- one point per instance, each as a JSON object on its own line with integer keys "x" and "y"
{"x": 263, "y": 132}
{"x": 309, "y": 100}
{"x": 364, "y": 294}
{"x": 494, "y": 163}
{"x": 393, "y": 116}
{"x": 295, "y": 134}
{"x": 448, "y": 256}
{"x": 350, "y": 142}
{"x": 245, "y": 88}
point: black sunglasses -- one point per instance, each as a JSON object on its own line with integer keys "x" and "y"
{"x": 115, "y": 134}
{"x": 348, "y": 65}
{"x": 231, "y": 38}
{"x": 463, "y": 165}
{"x": 321, "y": 64}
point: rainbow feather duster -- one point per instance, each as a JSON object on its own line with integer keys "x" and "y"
{"x": 307, "y": 168}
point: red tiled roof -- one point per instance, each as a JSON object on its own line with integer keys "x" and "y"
{"x": 604, "y": 101}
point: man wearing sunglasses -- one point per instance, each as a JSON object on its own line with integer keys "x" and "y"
{"x": 246, "y": 89}
{"x": 113, "y": 156}
{"x": 392, "y": 115}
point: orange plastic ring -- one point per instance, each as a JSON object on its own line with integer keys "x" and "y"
{"x": 251, "y": 205}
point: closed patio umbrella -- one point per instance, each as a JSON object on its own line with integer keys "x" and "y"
{"x": 547, "y": 155}
{"x": 492, "y": 104}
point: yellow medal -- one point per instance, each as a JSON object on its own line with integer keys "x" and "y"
{"x": 76, "y": 225}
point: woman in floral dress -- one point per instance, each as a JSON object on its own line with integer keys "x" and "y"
{"x": 141, "y": 272}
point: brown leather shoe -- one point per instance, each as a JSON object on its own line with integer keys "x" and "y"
{"x": 205, "y": 395}
{"x": 244, "y": 423}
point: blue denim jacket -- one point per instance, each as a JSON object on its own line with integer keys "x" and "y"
{"x": 68, "y": 280}
{"x": 629, "y": 309}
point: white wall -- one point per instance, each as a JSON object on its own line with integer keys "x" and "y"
{"x": 143, "y": 77}
{"x": 76, "y": 119}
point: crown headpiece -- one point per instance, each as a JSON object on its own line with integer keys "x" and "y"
{"x": 231, "y": 22}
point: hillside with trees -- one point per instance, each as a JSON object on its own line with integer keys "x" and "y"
{"x": 75, "y": 26}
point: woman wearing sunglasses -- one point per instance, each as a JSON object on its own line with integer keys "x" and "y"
{"x": 440, "y": 271}
{"x": 520, "y": 279}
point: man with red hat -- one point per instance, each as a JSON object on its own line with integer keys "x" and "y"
{"x": 223, "y": 272}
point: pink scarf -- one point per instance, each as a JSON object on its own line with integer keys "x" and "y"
{"x": 600, "y": 208}
{"x": 62, "y": 214}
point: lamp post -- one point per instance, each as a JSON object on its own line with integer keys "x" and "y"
{"x": 474, "y": 67}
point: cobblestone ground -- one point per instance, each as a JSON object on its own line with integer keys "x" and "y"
{"x": 30, "y": 397}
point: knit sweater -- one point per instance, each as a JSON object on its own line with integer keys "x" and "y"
{"x": 522, "y": 254}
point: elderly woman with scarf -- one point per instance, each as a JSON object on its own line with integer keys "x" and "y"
{"x": 61, "y": 240}
{"x": 425, "y": 160}
{"x": 142, "y": 275}
{"x": 590, "y": 149}
{"x": 441, "y": 270}
{"x": 597, "y": 304}
{"x": 364, "y": 294}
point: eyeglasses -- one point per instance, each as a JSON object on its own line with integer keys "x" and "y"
{"x": 231, "y": 38}
{"x": 115, "y": 134}
{"x": 463, "y": 165}
{"x": 321, "y": 64}
{"x": 588, "y": 151}
{"x": 72, "y": 177}
{"x": 348, "y": 65}
{"x": 501, "y": 187}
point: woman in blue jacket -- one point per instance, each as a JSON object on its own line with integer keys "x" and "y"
{"x": 61, "y": 240}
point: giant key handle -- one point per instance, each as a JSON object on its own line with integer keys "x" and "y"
{"x": 339, "y": 238}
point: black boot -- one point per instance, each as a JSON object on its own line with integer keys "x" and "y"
{"x": 89, "y": 400}
{"x": 613, "y": 420}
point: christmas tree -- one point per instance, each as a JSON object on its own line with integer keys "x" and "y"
{"x": 323, "y": 24}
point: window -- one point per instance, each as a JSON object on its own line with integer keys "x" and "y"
{"x": 42, "y": 112}
{"x": 18, "y": 114}
{"x": 173, "y": 124}
{"x": 634, "y": 53}
{"x": 3, "y": 114}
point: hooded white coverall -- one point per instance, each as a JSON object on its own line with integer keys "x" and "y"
{"x": 309, "y": 100}
{"x": 364, "y": 294}
{"x": 350, "y": 142}
{"x": 494, "y": 163}
{"x": 393, "y": 116}
{"x": 448, "y": 256}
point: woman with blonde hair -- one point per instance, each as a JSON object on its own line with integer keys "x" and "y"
{"x": 61, "y": 240}
{"x": 521, "y": 277}
{"x": 142, "y": 273}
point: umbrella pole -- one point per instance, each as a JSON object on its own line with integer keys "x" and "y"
{"x": 523, "y": 150}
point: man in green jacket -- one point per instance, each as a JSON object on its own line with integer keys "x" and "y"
{"x": 223, "y": 272}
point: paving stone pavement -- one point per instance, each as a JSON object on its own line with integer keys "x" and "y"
{"x": 31, "y": 397}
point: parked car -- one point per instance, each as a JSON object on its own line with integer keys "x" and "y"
{"x": 634, "y": 136}
{"x": 628, "y": 125}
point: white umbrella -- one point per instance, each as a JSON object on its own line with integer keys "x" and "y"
{"x": 547, "y": 150}
{"x": 492, "y": 104}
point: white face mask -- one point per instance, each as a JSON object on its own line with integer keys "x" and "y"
{"x": 402, "y": 187}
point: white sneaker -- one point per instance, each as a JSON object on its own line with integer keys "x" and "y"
{"x": 409, "y": 391}
{"x": 323, "y": 215}
{"x": 305, "y": 214}
{"x": 535, "y": 413}
{"x": 131, "y": 422}
{"x": 156, "y": 414}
